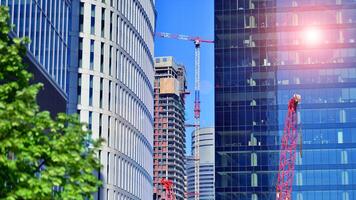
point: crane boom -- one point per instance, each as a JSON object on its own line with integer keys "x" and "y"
{"x": 182, "y": 37}
{"x": 288, "y": 151}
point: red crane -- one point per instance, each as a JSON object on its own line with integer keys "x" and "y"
{"x": 288, "y": 151}
{"x": 167, "y": 184}
{"x": 197, "y": 41}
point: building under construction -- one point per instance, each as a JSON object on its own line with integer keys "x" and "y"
{"x": 169, "y": 130}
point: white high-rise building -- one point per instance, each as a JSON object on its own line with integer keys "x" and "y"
{"x": 206, "y": 165}
{"x": 114, "y": 90}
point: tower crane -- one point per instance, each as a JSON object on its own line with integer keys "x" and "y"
{"x": 288, "y": 151}
{"x": 197, "y": 41}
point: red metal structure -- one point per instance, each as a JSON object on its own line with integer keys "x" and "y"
{"x": 167, "y": 184}
{"x": 197, "y": 41}
{"x": 288, "y": 151}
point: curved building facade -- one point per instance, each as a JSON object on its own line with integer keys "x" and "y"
{"x": 206, "y": 166}
{"x": 114, "y": 93}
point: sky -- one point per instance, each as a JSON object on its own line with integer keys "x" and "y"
{"x": 194, "y": 18}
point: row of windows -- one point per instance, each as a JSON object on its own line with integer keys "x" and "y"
{"x": 135, "y": 11}
{"x": 118, "y": 66}
{"x": 286, "y": 77}
{"x": 225, "y": 20}
{"x": 336, "y": 157}
{"x": 302, "y": 178}
{"x": 111, "y": 97}
{"x": 316, "y": 194}
{"x": 311, "y": 96}
{"x": 280, "y": 57}
{"x": 122, "y": 138}
{"x": 329, "y": 136}
{"x": 344, "y": 115}
{"x": 132, "y": 10}
{"x": 136, "y": 16}
{"x": 315, "y": 137}
{"x": 285, "y": 38}
{"x": 123, "y": 35}
{"x": 46, "y": 25}
{"x": 320, "y": 96}
{"x": 55, "y": 14}
{"x": 263, "y": 4}
{"x": 325, "y": 195}
{"x": 316, "y": 76}
{"x": 122, "y": 173}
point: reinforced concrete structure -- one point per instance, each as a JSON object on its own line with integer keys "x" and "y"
{"x": 45, "y": 23}
{"x": 206, "y": 166}
{"x": 169, "y": 130}
{"x": 114, "y": 90}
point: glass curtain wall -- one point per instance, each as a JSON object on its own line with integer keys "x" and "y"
{"x": 265, "y": 52}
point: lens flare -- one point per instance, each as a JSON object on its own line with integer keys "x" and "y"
{"x": 312, "y": 36}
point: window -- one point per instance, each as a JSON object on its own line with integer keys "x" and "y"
{"x": 299, "y": 179}
{"x": 111, "y": 21}
{"x": 110, "y": 88}
{"x": 116, "y": 98}
{"x": 117, "y": 63}
{"x": 80, "y": 53}
{"x": 90, "y": 120}
{"x": 254, "y": 180}
{"x": 101, "y": 93}
{"x": 108, "y": 168}
{"x": 79, "y": 88}
{"x": 92, "y": 21}
{"x": 254, "y": 197}
{"x": 340, "y": 138}
{"x": 110, "y": 60}
{"x": 102, "y": 58}
{"x": 118, "y": 29}
{"x": 253, "y": 159}
{"x": 344, "y": 178}
{"x": 102, "y": 22}
{"x": 100, "y": 124}
{"x": 91, "y": 54}
{"x": 81, "y": 17}
{"x": 109, "y": 128}
{"x": 91, "y": 90}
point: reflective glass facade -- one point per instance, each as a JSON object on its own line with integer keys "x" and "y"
{"x": 45, "y": 22}
{"x": 265, "y": 51}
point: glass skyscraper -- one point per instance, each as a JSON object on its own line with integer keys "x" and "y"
{"x": 45, "y": 23}
{"x": 267, "y": 50}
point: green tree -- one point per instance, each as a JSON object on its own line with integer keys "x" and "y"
{"x": 40, "y": 157}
